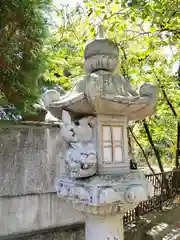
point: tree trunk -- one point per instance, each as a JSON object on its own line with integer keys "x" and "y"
{"x": 177, "y": 145}
{"x": 157, "y": 154}
{"x": 143, "y": 152}
{"x": 175, "y": 115}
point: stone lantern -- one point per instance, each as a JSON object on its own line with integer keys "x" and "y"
{"x": 98, "y": 179}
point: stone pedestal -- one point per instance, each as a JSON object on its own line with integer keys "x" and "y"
{"x": 104, "y": 199}
{"x": 108, "y": 227}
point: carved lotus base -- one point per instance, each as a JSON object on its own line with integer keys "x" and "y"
{"x": 106, "y": 194}
{"x": 103, "y": 209}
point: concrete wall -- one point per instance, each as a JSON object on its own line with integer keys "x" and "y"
{"x": 30, "y": 161}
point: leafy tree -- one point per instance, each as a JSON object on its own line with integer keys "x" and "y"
{"x": 24, "y": 28}
{"x": 65, "y": 49}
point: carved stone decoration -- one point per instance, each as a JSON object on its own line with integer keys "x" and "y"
{"x": 101, "y": 91}
{"x": 136, "y": 194}
{"x": 101, "y": 54}
{"x": 80, "y": 157}
{"x": 109, "y": 195}
{"x": 50, "y": 96}
{"x": 125, "y": 191}
{"x": 43, "y": 114}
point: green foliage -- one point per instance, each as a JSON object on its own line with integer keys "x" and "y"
{"x": 23, "y": 30}
{"x": 65, "y": 49}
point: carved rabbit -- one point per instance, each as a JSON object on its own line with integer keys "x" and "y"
{"x": 81, "y": 155}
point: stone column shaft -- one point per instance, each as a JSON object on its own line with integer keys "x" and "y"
{"x": 108, "y": 227}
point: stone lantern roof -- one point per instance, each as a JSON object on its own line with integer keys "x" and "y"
{"x": 104, "y": 92}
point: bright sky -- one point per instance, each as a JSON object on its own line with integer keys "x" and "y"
{"x": 71, "y": 3}
{"x": 66, "y": 2}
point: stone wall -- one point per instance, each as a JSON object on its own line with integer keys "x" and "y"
{"x": 75, "y": 232}
{"x": 30, "y": 161}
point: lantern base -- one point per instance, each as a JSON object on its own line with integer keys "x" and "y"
{"x": 125, "y": 190}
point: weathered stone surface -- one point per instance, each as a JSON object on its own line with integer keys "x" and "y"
{"x": 34, "y": 213}
{"x": 30, "y": 160}
{"x": 75, "y": 232}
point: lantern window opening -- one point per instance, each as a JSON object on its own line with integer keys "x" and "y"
{"x": 112, "y": 143}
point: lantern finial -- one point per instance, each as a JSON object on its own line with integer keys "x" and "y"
{"x": 100, "y": 31}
